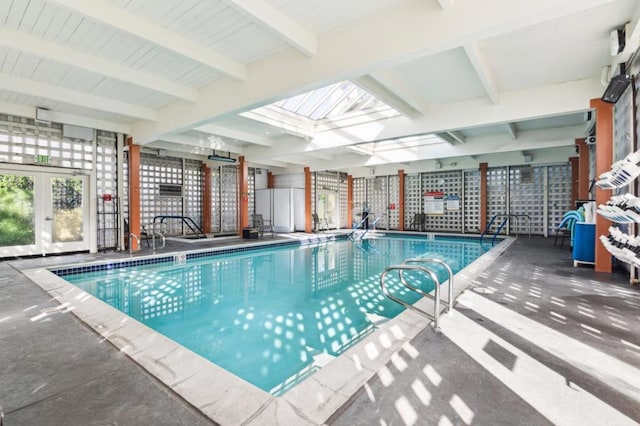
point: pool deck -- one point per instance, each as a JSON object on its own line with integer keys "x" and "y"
{"x": 533, "y": 341}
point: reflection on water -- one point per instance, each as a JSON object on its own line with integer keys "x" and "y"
{"x": 270, "y": 315}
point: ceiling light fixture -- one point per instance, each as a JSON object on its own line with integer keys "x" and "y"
{"x": 216, "y": 157}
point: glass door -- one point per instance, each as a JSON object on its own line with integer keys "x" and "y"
{"x": 42, "y": 213}
{"x": 66, "y": 224}
{"x": 18, "y": 225}
{"x": 327, "y": 207}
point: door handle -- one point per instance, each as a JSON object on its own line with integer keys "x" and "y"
{"x": 48, "y": 218}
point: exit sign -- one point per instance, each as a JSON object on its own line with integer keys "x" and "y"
{"x": 42, "y": 158}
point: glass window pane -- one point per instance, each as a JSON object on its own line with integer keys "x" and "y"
{"x": 17, "y": 216}
{"x": 67, "y": 209}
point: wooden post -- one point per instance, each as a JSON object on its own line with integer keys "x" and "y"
{"x": 270, "y": 180}
{"x": 483, "y": 195}
{"x": 134, "y": 193}
{"x": 308, "y": 227}
{"x": 575, "y": 179}
{"x": 243, "y": 180}
{"x": 401, "y": 200}
{"x": 604, "y": 157}
{"x": 349, "y": 201}
{"x": 583, "y": 169}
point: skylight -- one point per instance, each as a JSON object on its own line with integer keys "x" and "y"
{"x": 338, "y": 105}
{"x": 330, "y": 101}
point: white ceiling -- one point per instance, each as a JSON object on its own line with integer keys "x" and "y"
{"x": 491, "y": 78}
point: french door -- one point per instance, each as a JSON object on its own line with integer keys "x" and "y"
{"x": 43, "y": 212}
{"x": 327, "y": 207}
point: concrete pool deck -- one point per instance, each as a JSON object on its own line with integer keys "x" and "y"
{"x": 481, "y": 369}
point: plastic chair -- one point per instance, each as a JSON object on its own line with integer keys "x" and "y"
{"x": 317, "y": 222}
{"x": 261, "y": 224}
{"x": 418, "y": 221}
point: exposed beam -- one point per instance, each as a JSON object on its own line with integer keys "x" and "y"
{"x": 515, "y": 106}
{"x": 226, "y": 132}
{"x": 446, "y": 137}
{"x": 529, "y": 141}
{"x": 457, "y": 136}
{"x": 344, "y": 55}
{"x": 479, "y": 63}
{"x": 206, "y": 145}
{"x": 116, "y": 17}
{"x": 445, "y": 4}
{"x": 77, "y": 98}
{"x": 62, "y": 117}
{"x": 45, "y": 49}
{"x": 387, "y": 95}
{"x": 278, "y": 23}
{"x": 511, "y": 130}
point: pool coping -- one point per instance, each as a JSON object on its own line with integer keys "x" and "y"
{"x": 227, "y": 399}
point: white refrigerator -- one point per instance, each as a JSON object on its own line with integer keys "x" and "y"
{"x": 284, "y": 207}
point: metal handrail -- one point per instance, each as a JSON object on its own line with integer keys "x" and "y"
{"x": 153, "y": 239}
{"x": 503, "y": 223}
{"x": 436, "y": 303}
{"x": 373, "y": 224}
{"x": 449, "y": 302}
{"x": 131, "y": 234}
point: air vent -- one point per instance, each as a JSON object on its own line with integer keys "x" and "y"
{"x": 169, "y": 190}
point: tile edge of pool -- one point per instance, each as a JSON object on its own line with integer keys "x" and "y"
{"x": 232, "y": 400}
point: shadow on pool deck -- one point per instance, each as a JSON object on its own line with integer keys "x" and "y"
{"x": 536, "y": 341}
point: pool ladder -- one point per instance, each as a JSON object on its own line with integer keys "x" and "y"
{"x": 502, "y": 225}
{"x": 411, "y": 265}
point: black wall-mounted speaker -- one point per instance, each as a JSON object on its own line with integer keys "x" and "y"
{"x": 616, "y": 88}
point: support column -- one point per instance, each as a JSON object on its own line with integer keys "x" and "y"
{"x": 206, "y": 199}
{"x": 401, "y": 200}
{"x": 349, "y": 201}
{"x": 604, "y": 157}
{"x": 583, "y": 169}
{"x": 575, "y": 179}
{"x": 243, "y": 180}
{"x": 270, "y": 180}
{"x": 134, "y": 192}
{"x": 307, "y": 201}
{"x": 483, "y": 195}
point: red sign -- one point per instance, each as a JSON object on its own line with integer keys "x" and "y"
{"x": 433, "y": 194}
{"x": 107, "y": 197}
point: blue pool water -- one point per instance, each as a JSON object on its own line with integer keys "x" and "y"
{"x": 270, "y": 315}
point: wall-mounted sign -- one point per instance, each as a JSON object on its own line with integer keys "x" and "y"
{"x": 434, "y": 202}
{"x": 452, "y": 203}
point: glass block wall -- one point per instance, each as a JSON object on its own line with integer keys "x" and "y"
{"x": 558, "y": 194}
{"x": 496, "y": 194}
{"x": 377, "y": 200}
{"x": 412, "y": 198}
{"x": 155, "y": 171}
{"x": 526, "y": 198}
{"x": 471, "y": 201}
{"x": 192, "y": 190}
{"x": 216, "y": 201}
{"x": 450, "y": 183}
{"x": 228, "y": 197}
{"x": 359, "y": 198}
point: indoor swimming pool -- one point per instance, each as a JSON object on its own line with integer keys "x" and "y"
{"x": 271, "y": 316}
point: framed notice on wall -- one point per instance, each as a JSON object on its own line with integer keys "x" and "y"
{"x": 434, "y": 202}
{"x": 452, "y": 203}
